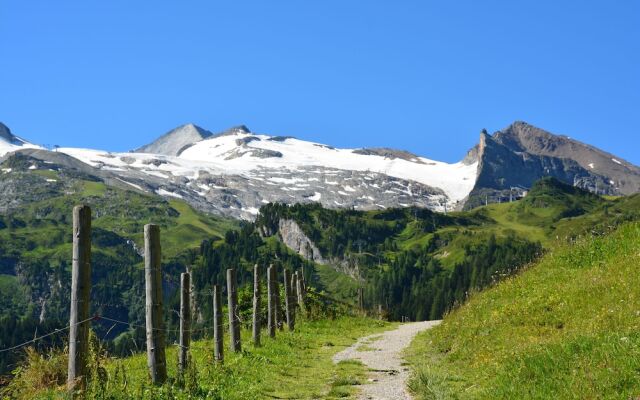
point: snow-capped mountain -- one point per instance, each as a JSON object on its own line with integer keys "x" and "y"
{"x": 236, "y": 171}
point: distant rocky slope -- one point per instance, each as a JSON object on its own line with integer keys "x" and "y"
{"x": 510, "y": 160}
{"x": 236, "y": 171}
{"x": 175, "y": 141}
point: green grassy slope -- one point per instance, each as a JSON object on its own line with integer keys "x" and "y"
{"x": 35, "y": 247}
{"x": 568, "y": 327}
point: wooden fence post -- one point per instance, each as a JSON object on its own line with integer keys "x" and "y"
{"x": 294, "y": 291}
{"x": 156, "y": 360}
{"x": 276, "y": 289}
{"x": 271, "y": 302}
{"x": 300, "y": 291}
{"x": 218, "y": 350}
{"x": 288, "y": 300}
{"x": 234, "y": 318}
{"x": 185, "y": 322}
{"x": 304, "y": 282}
{"x": 80, "y": 294}
{"x": 256, "y": 305}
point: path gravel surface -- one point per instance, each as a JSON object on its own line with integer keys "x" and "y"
{"x": 382, "y": 354}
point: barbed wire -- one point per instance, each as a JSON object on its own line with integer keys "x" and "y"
{"x": 100, "y": 318}
{"x": 37, "y": 339}
{"x": 166, "y": 330}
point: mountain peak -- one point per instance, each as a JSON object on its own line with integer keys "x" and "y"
{"x": 176, "y": 140}
{"x": 235, "y": 130}
{"x": 522, "y": 136}
{"x": 6, "y": 135}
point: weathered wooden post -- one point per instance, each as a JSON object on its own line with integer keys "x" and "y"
{"x": 278, "y": 314}
{"x": 156, "y": 360}
{"x": 80, "y": 292}
{"x": 288, "y": 300}
{"x": 256, "y": 305}
{"x": 294, "y": 290}
{"x": 185, "y": 321}
{"x": 304, "y": 282}
{"x": 271, "y": 302}
{"x": 218, "y": 350}
{"x": 234, "y": 317}
{"x": 300, "y": 291}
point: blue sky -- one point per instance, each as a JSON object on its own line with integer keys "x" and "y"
{"x": 425, "y": 76}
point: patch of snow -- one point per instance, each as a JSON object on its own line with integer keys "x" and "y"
{"x": 591, "y": 166}
{"x": 251, "y": 210}
{"x": 33, "y": 167}
{"x": 316, "y": 196}
{"x": 163, "y": 192}
{"x": 131, "y": 184}
{"x": 7, "y": 147}
{"x": 156, "y": 173}
{"x": 616, "y": 161}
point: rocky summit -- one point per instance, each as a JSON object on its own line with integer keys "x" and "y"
{"x": 236, "y": 171}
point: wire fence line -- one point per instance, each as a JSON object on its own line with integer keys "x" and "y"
{"x": 99, "y": 318}
{"x": 39, "y": 338}
{"x": 117, "y": 321}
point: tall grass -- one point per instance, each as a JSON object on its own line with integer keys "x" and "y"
{"x": 566, "y": 328}
{"x": 294, "y": 365}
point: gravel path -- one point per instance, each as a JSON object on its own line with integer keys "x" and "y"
{"x": 381, "y": 353}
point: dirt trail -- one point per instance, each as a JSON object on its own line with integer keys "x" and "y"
{"x": 381, "y": 353}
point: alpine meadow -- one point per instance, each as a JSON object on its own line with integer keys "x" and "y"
{"x": 319, "y": 200}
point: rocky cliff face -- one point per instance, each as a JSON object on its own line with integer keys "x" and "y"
{"x": 511, "y": 160}
{"x": 294, "y": 238}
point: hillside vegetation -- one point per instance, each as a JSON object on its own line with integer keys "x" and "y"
{"x": 567, "y": 327}
{"x": 412, "y": 262}
{"x": 294, "y": 365}
{"x": 35, "y": 248}
{"x": 419, "y": 264}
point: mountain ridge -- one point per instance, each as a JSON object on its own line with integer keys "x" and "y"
{"x": 235, "y": 171}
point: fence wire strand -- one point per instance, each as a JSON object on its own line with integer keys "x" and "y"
{"x": 39, "y": 338}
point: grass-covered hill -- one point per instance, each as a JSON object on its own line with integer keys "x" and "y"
{"x": 565, "y": 328}
{"x": 35, "y": 246}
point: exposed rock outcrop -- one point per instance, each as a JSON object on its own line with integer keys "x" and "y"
{"x": 293, "y": 236}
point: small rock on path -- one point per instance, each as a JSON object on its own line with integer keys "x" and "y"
{"x": 381, "y": 353}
